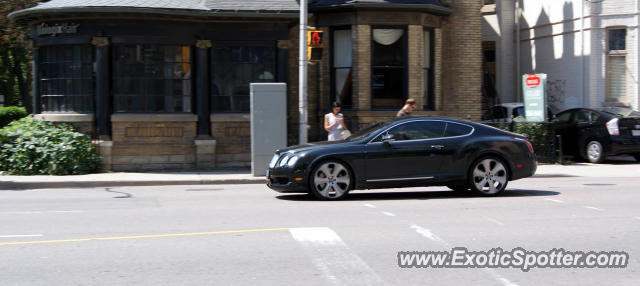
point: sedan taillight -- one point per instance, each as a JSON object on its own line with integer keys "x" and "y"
{"x": 612, "y": 127}
{"x": 529, "y": 145}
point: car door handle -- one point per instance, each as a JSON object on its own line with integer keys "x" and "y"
{"x": 436, "y": 147}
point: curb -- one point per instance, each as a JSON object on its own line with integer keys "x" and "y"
{"x": 97, "y": 184}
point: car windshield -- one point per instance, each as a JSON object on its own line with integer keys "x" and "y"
{"x": 368, "y": 130}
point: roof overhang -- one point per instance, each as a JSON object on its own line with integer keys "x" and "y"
{"x": 27, "y": 15}
{"x": 429, "y": 8}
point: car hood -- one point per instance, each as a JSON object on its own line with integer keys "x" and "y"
{"x": 314, "y": 146}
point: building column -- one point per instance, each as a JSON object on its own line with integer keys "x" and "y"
{"x": 35, "y": 84}
{"x": 103, "y": 109}
{"x": 202, "y": 88}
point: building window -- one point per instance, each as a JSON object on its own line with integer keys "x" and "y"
{"x": 427, "y": 71}
{"x": 152, "y": 78}
{"x": 388, "y": 60}
{"x": 66, "y": 79}
{"x": 616, "y": 66}
{"x": 341, "y": 67}
{"x": 233, "y": 69}
{"x": 617, "y": 39}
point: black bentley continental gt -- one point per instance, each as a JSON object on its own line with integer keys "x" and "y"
{"x": 406, "y": 152}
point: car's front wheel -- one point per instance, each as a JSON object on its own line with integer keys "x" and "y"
{"x": 594, "y": 152}
{"x": 330, "y": 180}
{"x": 488, "y": 176}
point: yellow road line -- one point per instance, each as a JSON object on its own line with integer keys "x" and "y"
{"x": 142, "y": 236}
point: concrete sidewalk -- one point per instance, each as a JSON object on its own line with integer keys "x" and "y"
{"x": 611, "y": 168}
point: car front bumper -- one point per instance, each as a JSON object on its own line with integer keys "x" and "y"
{"x": 285, "y": 180}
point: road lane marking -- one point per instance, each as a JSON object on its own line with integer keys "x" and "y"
{"x": 141, "y": 236}
{"x": 42, "y": 212}
{"x": 426, "y": 233}
{"x": 594, "y": 208}
{"x": 495, "y": 221}
{"x": 339, "y": 264}
{"x": 555, "y": 201}
{"x": 430, "y": 235}
{"x": 369, "y": 206}
{"x": 388, "y": 214}
{"x": 20, "y": 235}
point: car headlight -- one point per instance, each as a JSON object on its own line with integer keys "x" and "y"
{"x": 274, "y": 160}
{"x": 284, "y": 160}
{"x": 292, "y": 160}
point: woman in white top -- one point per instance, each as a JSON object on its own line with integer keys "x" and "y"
{"x": 334, "y": 122}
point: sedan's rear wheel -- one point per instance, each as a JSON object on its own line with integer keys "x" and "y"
{"x": 488, "y": 176}
{"x": 330, "y": 180}
{"x": 594, "y": 152}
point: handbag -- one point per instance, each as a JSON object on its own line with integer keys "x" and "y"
{"x": 344, "y": 134}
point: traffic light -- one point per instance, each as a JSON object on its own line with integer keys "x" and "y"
{"x": 314, "y": 45}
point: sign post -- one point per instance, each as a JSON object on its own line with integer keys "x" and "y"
{"x": 533, "y": 91}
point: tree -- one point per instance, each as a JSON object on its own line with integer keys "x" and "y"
{"x": 15, "y": 57}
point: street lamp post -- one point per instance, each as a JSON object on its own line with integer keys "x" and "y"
{"x": 302, "y": 73}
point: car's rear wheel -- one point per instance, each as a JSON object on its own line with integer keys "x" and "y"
{"x": 330, "y": 180}
{"x": 488, "y": 176}
{"x": 594, "y": 152}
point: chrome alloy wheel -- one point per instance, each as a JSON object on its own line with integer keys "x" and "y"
{"x": 594, "y": 152}
{"x": 331, "y": 180}
{"x": 489, "y": 176}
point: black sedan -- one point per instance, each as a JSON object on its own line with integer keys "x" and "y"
{"x": 595, "y": 134}
{"x": 406, "y": 152}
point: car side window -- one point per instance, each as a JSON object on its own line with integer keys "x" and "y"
{"x": 415, "y": 130}
{"x": 594, "y": 116}
{"x": 563, "y": 117}
{"x": 581, "y": 116}
{"x": 518, "y": 111}
{"x": 455, "y": 129}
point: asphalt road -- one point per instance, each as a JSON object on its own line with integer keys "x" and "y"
{"x": 248, "y": 234}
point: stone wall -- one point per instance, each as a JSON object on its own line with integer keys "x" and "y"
{"x": 144, "y": 142}
{"x": 232, "y": 133}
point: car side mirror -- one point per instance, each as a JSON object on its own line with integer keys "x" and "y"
{"x": 387, "y": 139}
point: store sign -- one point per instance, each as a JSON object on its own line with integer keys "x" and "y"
{"x": 52, "y": 30}
{"x": 533, "y": 90}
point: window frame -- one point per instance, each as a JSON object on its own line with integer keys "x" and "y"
{"x": 87, "y": 107}
{"x": 405, "y": 68}
{"x": 332, "y": 68}
{"x": 238, "y": 44}
{"x": 429, "y": 99}
{"x": 191, "y": 79}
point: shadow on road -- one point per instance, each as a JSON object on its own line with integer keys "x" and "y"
{"x": 426, "y": 195}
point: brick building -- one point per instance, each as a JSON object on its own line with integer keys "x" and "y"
{"x": 166, "y": 85}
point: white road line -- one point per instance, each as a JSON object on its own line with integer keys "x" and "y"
{"x": 594, "y": 208}
{"x": 369, "y": 206}
{"x": 388, "y": 214}
{"x": 430, "y": 235}
{"x": 555, "y": 201}
{"x": 20, "y": 235}
{"x": 41, "y": 212}
{"x": 334, "y": 258}
{"x": 426, "y": 233}
{"x": 495, "y": 221}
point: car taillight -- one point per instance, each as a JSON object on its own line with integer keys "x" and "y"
{"x": 612, "y": 127}
{"x": 529, "y": 145}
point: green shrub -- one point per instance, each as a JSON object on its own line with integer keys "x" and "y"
{"x": 11, "y": 113}
{"x": 33, "y": 147}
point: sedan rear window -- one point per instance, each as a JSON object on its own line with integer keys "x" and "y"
{"x": 455, "y": 129}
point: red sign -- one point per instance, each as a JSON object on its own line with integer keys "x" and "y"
{"x": 533, "y": 81}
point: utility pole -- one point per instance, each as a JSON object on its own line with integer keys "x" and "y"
{"x": 302, "y": 73}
